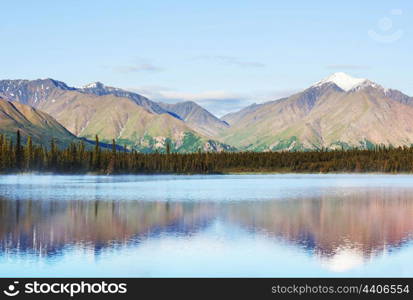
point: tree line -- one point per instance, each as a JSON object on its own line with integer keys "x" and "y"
{"x": 76, "y": 158}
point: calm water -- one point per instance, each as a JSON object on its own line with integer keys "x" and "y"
{"x": 218, "y": 225}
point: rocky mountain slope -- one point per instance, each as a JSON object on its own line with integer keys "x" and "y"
{"x": 339, "y": 111}
{"x": 112, "y": 113}
{"x": 30, "y": 121}
{"x": 99, "y": 89}
{"x": 197, "y": 117}
{"x": 129, "y": 124}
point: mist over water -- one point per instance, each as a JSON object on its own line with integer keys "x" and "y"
{"x": 209, "y": 225}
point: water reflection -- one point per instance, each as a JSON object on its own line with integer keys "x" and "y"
{"x": 368, "y": 220}
{"x": 342, "y": 230}
{"x": 338, "y": 231}
{"x": 46, "y": 227}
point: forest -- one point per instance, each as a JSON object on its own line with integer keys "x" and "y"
{"x": 76, "y": 158}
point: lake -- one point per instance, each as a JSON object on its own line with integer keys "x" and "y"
{"x": 285, "y": 225}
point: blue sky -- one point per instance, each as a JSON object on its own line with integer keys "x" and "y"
{"x": 222, "y": 54}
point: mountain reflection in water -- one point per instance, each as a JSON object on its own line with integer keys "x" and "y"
{"x": 341, "y": 231}
{"x": 368, "y": 222}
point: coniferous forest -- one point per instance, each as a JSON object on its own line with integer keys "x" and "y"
{"x": 76, "y": 158}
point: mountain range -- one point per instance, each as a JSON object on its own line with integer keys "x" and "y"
{"x": 339, "y": 111}
{"x": 111, "y": 113}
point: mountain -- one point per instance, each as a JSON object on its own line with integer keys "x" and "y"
{"x": 197, "y": 117}
{"x": 112, "y": 113}
{"x": 30, "y": 121}
{"x": 120, "y": 118}
{"x": 36, "y": 92}
{"x": 235, "y": 117}
{"x": 31, "y": 92}
{"x": 99, "y": 89}
{"x": 339, "y": 111}
{"x": 129, "y": 124}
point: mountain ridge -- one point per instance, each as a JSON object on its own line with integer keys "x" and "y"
{"x": 337, "y": 111}
{"x": 112, "y": 113}
{"x": 303, "y": 120}
{"x": 197, "y": 117}
{"x": 37, "y": 92}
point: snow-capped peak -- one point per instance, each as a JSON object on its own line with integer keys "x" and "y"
{"x": 93, "y": 85}
{"x": 343, "y": 81}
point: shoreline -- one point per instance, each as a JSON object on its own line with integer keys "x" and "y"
{"x": 207, "y": 174}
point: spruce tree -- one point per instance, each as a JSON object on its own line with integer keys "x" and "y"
{"x": 19, "y": 152}
{"x": 96, "y": 154}
{"x": 29, "y": 153}
{"x": 168, "y": 147}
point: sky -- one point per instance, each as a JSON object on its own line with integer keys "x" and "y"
{"x": 222, "y": 54}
